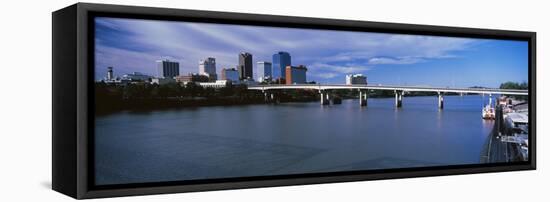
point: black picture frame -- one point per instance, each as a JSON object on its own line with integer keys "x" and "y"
{"x": 73, "y": 100}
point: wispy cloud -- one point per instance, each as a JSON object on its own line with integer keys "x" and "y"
{"x": 398, "y": 60}
{"x": 134, "y": 45}
{"x": 343, "y": 68}
{"x": 327, "y": 75}
{"x": 321, "y": 71}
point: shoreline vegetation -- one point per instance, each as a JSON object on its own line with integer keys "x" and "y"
{"x": 110, "y": 98}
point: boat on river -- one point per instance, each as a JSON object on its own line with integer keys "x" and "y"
{"x": 488, "y": 111}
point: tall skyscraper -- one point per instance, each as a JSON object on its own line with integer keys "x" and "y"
{"x": 245, "y": 65}
{"x": 264, "y": 70}
{"x": 280, "y": 61}
{"x": 295, "y": 75}
{"x": 207, "y": 67}
{"x": 167, "y": 69}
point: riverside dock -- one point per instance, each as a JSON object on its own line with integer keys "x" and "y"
{"x": 506, "y": 143}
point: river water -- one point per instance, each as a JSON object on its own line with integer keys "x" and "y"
{"x": 289, "y": 138}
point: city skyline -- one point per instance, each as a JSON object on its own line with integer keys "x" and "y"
{"x": 131, "y": 46}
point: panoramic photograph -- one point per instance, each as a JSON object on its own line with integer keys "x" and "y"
{"x": 180, "y": 101}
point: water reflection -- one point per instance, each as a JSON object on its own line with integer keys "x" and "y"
{"x": 252, "y": 140}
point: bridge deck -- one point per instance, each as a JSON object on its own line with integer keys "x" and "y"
{"x": 393, "y": 88}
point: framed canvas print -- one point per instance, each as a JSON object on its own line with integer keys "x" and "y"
{"x": 155, "y": 100}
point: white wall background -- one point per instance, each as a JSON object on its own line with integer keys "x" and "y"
{"x": 25, "y": 101}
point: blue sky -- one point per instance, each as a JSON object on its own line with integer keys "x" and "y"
{"x": 131, "y": 45}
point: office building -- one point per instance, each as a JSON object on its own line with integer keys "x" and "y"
{"x": 356, "y": 79}
{"x": 207, "y": 67}
{"x": 264, "y": 70}
{"x": 245, "y": 66}
{"x": 111, "y": 79}
{"x": 110, "y": 75}
{"x": 167, "y": 69}
{"x": 295, "y": 74}
{"x": 230, "y": 74}
{"x": 280, "y": 61}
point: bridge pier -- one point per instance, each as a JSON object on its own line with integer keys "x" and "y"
{"x": 266, "y": 96}
{"x": 399, "y": 98}
{"x": 269, "y": 97}
{"x": 363, "y": 96}
{"x": 325, "y": 99}
{"x": 440, "y": 100}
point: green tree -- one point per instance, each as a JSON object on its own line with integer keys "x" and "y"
{"x": 514, "y": 85}
{"x": 517, "y": 86}
{"x": 193, "y": 89}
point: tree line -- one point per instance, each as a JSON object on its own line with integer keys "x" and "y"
{"x": 514, "y": 85}
{"x": 144, "y": 96}
{"x": 517, "y": 86}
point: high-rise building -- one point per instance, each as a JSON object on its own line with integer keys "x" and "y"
{"x": 207, "y": 67}
{"x": 245, "y": 65}
{"x": 110, "y": 75}
{"x": 280, "y": 61}
{"x": 167, "y": 69}
{"x": 264, "y": 70}
{"x": 355, "y": 79}
{"x": 295, "y": 74}
{"x": 230, "y": 74}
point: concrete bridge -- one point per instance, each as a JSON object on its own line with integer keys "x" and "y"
{"x": 324, "y": 90}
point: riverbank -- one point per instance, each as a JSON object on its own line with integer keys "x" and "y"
{"x": 142, "y": 97}
{"x": 502, "y": 145}
{"x": 108, "y": 106}
{"x": 112, "y": 104}
{"x": 146, "y": 97}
